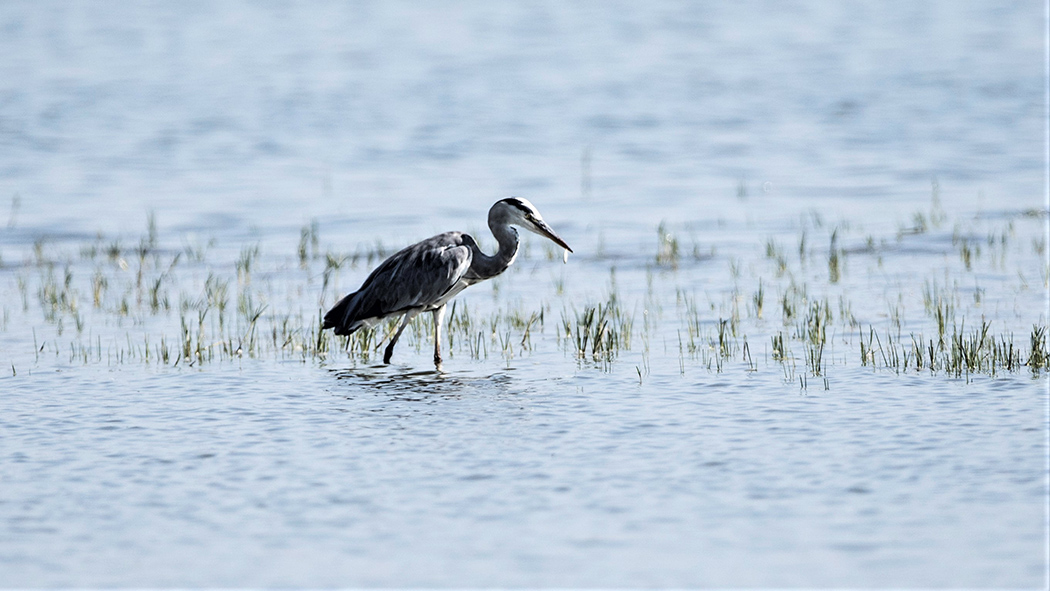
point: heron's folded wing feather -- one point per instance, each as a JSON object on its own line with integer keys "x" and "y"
{"x": 418, "y": 276}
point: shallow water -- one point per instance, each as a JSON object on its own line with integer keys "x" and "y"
{"x": 286, "y": 474}
{"x": 913, "y": 134}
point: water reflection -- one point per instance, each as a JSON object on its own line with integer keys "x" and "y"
{"x": 416, "y": 386}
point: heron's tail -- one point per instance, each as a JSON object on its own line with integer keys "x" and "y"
{"x": 339, "y": 317}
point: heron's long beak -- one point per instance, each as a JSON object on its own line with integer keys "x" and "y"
{"x": 543, "y": 229}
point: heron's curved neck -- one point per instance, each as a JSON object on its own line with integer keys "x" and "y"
{"x": 486, "y": 266}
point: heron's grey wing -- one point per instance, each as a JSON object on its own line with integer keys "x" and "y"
{"x": 418, "y": 276}
{"x": 422, "y": 278}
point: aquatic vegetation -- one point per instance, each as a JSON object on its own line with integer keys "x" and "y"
{"x": 1039, "y": 355}
{"x": 759, "y": 300}
{"x": 964, "y": 353}
{"x": 779, "y": 352}
{"x": 309, "y": 240}
{"x": 598, "y": 332}
{"x": 834, "y": 272}
{"x": 776, "y": 253}
{"x": 200, "y": 302}
{"x": 793, "y": 298}
{"x": 245, "y": 262}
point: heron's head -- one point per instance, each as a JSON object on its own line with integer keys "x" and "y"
{"x": 518, "y": 211}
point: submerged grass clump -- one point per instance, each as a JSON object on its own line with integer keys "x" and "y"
{"x": 598, "y": 332}
{"x": 963, "y": 353}
{"x": 1038, "y": 355}
{"x": 834, "y": 271}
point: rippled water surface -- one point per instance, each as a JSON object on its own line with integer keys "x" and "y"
{"x": 187, "y": 186}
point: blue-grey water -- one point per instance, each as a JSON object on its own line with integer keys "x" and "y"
{"x": 914, "y": 133}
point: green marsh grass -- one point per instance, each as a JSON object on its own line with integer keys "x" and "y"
{"x": 187, "y": 306}
{"x": 599, "y": 331}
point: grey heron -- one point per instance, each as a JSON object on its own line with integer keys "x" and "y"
{"x": 423, "y": 277}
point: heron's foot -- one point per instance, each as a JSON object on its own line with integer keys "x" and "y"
{"x": 388, "y": 354}
{"x": 437, "y": 360}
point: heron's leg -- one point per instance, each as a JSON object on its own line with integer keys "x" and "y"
{"x": 393, "y": 341}
{"x": 439, "y": 317}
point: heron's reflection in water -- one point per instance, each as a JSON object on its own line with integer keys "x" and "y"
{"x": 417, "y": 386}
